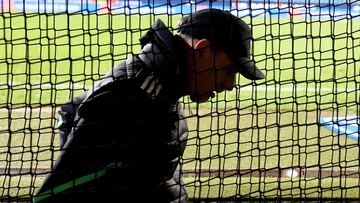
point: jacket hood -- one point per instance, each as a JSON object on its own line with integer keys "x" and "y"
{"x": 161, "y": 54}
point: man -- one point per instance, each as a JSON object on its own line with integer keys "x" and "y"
{"x": 123, "y": 139}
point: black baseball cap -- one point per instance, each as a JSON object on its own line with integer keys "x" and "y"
{"x": 225, "y": 32}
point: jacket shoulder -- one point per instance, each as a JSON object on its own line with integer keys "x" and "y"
{"x": 125, "y": 70}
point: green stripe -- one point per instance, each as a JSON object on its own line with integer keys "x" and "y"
{"x": 76, "y": 182}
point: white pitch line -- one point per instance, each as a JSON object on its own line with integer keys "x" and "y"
{"x": 38, "y": 85}
{"x": 278, "y": 88}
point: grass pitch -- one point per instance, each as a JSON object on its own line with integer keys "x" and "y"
{"x": 311, "y": 69}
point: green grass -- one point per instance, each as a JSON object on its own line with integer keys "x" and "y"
{"x": 312, "y": 71}
{"x": 244, "y": 140}
{"x": 272, "y": 188}
{"x": 318, "y": 60}
{"x": 255, "y": 187}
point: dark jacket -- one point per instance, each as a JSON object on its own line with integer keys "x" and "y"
{"x": 123, "y": 138}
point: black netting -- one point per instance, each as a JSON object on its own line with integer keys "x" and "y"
{"x": 292, "y": 136}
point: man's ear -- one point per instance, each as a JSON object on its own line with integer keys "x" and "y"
{"x": 201, "y": 44}
{"x": 202, "y": 48}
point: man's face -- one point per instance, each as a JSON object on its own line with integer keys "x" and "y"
{"x": 212, "y": 71}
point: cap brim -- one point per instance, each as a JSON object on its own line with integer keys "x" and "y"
{"x": 248, "y": 69}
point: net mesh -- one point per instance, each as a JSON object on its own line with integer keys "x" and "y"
{"x": 291, "y": 136}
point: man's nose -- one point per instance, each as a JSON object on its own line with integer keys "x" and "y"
{"x": 231, "y": 84}
{"x": 231, "y": 88}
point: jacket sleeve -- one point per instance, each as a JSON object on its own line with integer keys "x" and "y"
{"x": 119, "y": 123}
{"x": 93, "y": 130}
{"x": 66, "y": 115}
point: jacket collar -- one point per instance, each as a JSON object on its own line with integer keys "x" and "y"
{"x": 162, "y": 54}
